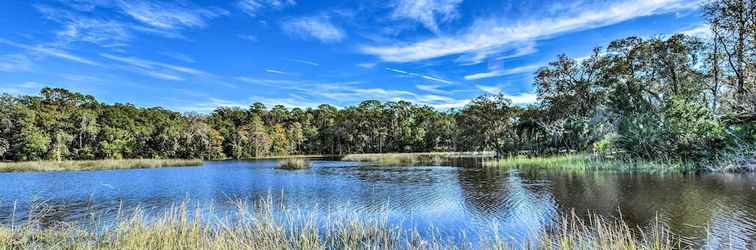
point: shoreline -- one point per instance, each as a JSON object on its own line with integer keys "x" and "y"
{"x": 92, "y": 165}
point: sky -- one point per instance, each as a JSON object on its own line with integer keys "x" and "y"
{"x": 196, "y": 55}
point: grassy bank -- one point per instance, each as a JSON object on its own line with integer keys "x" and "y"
{"x": 46, "y": 166}
{"x": 414, "y": 158}
{"x": 258, "y": 227}
{"x": 583, "y": 162}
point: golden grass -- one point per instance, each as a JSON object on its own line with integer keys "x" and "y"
{"x": 413, "y": 158}
{"x": 46, "y": 166}
{"x": 582, "y": 162}
{"x": 262, "y": 226}
{"x": 293, "y": 164}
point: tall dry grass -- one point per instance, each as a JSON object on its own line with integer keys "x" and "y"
{"x": 264, "y": 226}
{"x": 414, "y": 158}
{"x": 47, "y": 166}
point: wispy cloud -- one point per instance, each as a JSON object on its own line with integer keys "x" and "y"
{"x": 252, "y": 7}
{"x": 522, "y": 98}
{"x": 157, "y": 70}
{"x": 25, "y": 88}
{"x": 179, "y": 56}
{"x": 350, "y": 92}
{"x": 427, "y": 12}
{"x": 276, "y": 72}
{"x": 166, "y": 15}
{"x": 47, "y": 51}
{"x": 490, "y": 34}
{"x": 427, "y": 77}
{"x": 80, "y": 28}
{"x": 311, "y": 63}
{"x": 317, "y": 27}
{"x": 502, "y": 72}
{"x": 366, "y": 65}
{"x": 703, "y": 30}
{"x": 251, "y": 38}
{"x": 15, "y": 63}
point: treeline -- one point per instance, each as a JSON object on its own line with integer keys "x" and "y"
{"x": 672, "y": 98}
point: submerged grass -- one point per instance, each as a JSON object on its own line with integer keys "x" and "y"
{"x": 263, "y": 226}
{"x": 47, "y": 166}
{"x": 293, "y": 164}
{"x": 584, "y": 162}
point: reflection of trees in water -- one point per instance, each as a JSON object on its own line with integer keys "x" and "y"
{"x": 520, "y": 207}
{"x": 686, "y": 203}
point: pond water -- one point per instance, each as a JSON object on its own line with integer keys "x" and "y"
{"x": 706, "y": 209}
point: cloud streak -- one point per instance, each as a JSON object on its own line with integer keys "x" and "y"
{"x": 502, "y": 72}
{"x": 427, "y": 77}
{"x": 491, "y": 34}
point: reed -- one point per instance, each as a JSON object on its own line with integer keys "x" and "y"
{"x": 47, "y": 166}
{"x": 413, "y": 158}
{"x": 264, "y": 226}
{"x": 584, "y": 162}
{"x": 293, "y": 164}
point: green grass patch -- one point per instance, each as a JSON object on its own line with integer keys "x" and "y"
{"x": 584, "y": 162}
{"x": 47, "y": 166}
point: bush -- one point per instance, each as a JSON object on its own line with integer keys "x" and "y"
{"x": 684, "y": 131}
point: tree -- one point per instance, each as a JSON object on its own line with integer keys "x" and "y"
{"x": 486, "y": 124}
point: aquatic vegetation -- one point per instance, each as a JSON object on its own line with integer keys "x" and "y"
{"x": 293, "y": 164}
{"x": 47, "y": 166}
{"x": 584, "y": 162}
{"x": 266, "y": 226}
{"x": 414, "y": 158}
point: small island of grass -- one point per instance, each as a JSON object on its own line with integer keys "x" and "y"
{"x": 48, "y": 166}
{"x": 293, "y": 164}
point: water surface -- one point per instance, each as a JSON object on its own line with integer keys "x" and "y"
{"x": 452, "y": 198}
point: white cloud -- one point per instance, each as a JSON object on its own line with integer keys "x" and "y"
{"x": 502, "y": 72}
{"x": 311, "y": 63}
{"x": 427, "y": 77}
{"x": 276, "y": 72}
{"x": 367, "y": 65}
{"x": 317, "y": 27}
{"x": 47, "y": 51}
{"x": 15, "y": 63}
{"x": 491, "y": 34}
{"x": 703, "y": 30}
{"x": 26, "y": 88}
{"x": 522, "y": 98}
{"x": 252, "y": 7}
{"x": 351, "y": 92}
{"x": 157, "y": 70}
{"x": 179, "y": 56}
{"x": 251, "y": 38}
{"x": 427, "y": 12}
{"x": 169, "y": 16}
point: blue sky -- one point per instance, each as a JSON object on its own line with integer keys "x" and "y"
{"x": 195, "y": 55}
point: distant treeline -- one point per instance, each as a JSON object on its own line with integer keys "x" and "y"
{"x": 674, "y": 98}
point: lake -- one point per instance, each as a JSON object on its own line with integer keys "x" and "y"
{"x": 706, "y": 210}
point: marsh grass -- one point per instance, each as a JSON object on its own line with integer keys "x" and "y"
{"x": 293, "y": 164}
{"x": 262, "y": 225}
{"x": 584, "y": 162}
{"x": 46, "y": 166}
{"x": 414, "y": 158}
